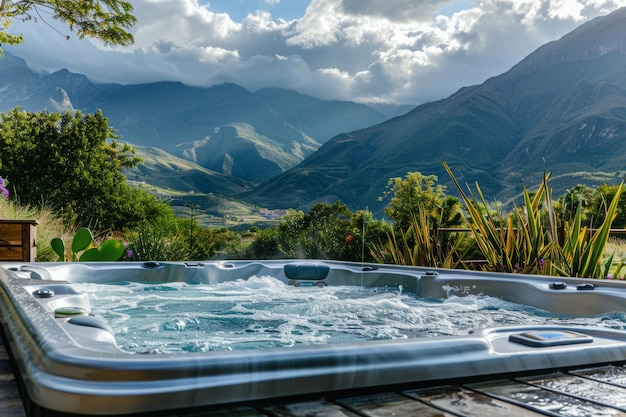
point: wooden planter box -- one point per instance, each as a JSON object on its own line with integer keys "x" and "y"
{"x": 18, "y": 240}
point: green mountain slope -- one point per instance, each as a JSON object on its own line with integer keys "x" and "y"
{"x": 170, "y": 173}
{"x": 186, "y": 121}
{"x": 183, "y": 183}
{"x": 562, "y": 107}
{"x": 224, "y": 128}
{"x": 318, "y": 119}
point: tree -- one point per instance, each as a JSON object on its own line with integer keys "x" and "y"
{"x": 579, "y": 195}
{"x": 328, "y": 231}
{"x": 210, "y": 243}
{"x": 106, "y": 20}
{"x": 414, "y": 194}
{"x": 600, "y": 202}
{"x": 264, "y": 245}
{"x": 67, "y": 161}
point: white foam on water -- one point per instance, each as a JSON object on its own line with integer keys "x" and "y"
{"x": 263, "y": 312}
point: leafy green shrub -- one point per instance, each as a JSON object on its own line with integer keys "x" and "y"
{"x": 157, "y": 244}
{"x": 412, "y": 194}
{"x": 328, "y": 231}
{"x": 578, "y": 196}
{"x": 419, "y": 207}
{"x": 264, "y": 246}
{"x": 599, "y": 205}
{"x": 68, "y": 161}
{"x": 211, "y": 243}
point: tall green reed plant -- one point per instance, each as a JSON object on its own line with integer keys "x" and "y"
{"x": 582, "y": 250}
{"x": 421, "y": 245}
{"x": 158, "y": 244}
{"x": 522, "y": 243}
{"x": 530, "y": 241}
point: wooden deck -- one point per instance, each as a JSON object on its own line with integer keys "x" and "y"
{"x": 587, "y": 392}
{"x": 593, "y": 392}
{"x": 10, "y": 400}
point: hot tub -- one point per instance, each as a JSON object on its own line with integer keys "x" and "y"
{"x": 69, "y": 361}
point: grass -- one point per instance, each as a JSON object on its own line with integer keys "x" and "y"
{"x": 616, "y": 248}
{"x": 49, "y": 227}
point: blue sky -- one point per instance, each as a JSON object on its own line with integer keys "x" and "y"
{"x": 238, "y": 9}
{"x": 294, "y": 9}
{"x": 392, "y": 51}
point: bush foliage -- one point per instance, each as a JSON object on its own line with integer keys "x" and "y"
{"x": 71, "y": 164}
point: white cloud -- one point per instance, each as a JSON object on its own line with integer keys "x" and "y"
{"x": 183, "y": 22}
{"x": 321, "y": 25}
{"x": 402, "y": 51}
{"x": 394, "y": 10}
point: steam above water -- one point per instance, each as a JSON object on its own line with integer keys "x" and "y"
{"x": 263, "y": 312}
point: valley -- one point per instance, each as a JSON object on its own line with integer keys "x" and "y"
{"x": 244, "y": 157}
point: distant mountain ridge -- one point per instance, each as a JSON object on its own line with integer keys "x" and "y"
{"x": 562, "y": 108}
{"x": 225, "y": 128}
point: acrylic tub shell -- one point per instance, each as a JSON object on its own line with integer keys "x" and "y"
{"x": 77, "y": 368}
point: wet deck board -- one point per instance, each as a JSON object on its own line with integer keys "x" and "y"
{"x": 10, "y": 400}
{"x": 391, "y": 404}
{"x": 593, "y": 392}
{"x": 546, "y": 401}
{"x": 582, "y": 388}
{"x": 461, "y": 400}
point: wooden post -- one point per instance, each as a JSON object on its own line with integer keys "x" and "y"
{"x": 18, "y": 240}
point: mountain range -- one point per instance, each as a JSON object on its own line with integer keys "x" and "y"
{"x": 560, "y": 109}
{"x": 225, "y": 128}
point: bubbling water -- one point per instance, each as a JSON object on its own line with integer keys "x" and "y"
{"x": 263, "y": 312}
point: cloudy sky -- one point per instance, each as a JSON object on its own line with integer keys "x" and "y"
{"x": 396, "y": 51}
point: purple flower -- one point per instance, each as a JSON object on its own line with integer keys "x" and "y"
{"x": 129, "y": 253}
{"x": 542, "y": 264}
{"x": 3, "y": 188}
